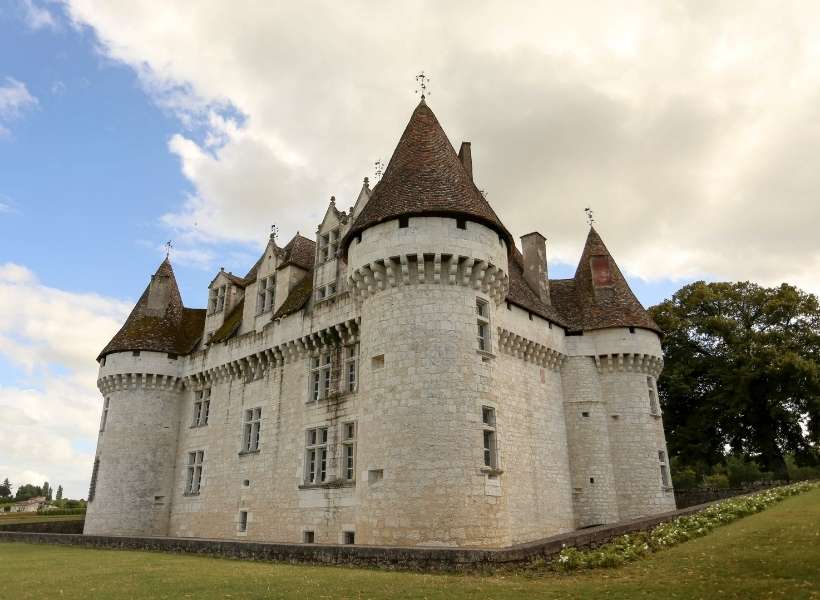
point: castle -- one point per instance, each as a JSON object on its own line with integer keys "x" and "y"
{"x": 409, "y": 378}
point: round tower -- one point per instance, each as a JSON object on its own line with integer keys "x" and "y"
{"x": 133, "y": 471}
{"x": 427, "y": 260}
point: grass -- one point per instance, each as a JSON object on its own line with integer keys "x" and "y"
{"x": 772, "y": 554}
{"x": 15, "y": 518}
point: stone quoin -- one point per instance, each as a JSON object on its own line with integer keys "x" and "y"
{"x": 409, "y": 378}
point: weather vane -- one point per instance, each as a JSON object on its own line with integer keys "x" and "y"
{"x": 423, "y": 82}
{"x": 168, "y": 246}
{"x": 590, "y": 216}
{"x": 274, "y": 231}
{"x": 379, "y": 169}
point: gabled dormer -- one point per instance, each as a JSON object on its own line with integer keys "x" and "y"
{"x": 261, "y": 293}
{"x": 224, "y": 291}
{"x": 296, "y": 264}
{"x": 327, "y": 272}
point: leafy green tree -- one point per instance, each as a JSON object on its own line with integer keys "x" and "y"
{"x": 26, "y": 491}
{"x": 47, "y": 491}
{"x": 742, "y": 372}
{"x": 5, "y": 488}
{"x": 59, "y": 492}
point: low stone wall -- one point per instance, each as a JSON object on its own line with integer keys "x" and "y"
{"x": 695, "y": 496}
{"x": 62, "y": 526}
{"x": 378, "y": 556}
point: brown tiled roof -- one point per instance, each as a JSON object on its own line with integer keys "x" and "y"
{"x": 521, "y": 294}
{"x": 587, "y": 307}
{"x": 299, "y": 251}
{"x": 425, "y": 177}
{"x": 230, "y": 325}
{"x": 169, "y": 327}
{"x": 297, "y": 298}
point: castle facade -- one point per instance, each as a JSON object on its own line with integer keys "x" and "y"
{"x": 409, "y": 378}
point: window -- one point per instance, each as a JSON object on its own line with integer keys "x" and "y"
{"x": 253, "y": 422}
{"x": 349, "y": 451}
{"x": 404, "y": 222}
{"x": 193, "y": 477}
{"x": 326, "y": 291}
{"x": 349, "y": 537}
{"x": 104, "y": 418}
{"x": 461, "y": 223}
{"x": 308, "y": 537}
{"x": 92, "y": 488}
{"x": 351, "y": 367}
{"x": 135, "y": 353}
{"x": 482, "y": 311}
{"x": 654, "y": 407}
{"x": 216, "y": 299}
{"x": 490, "y": 451}
{"x": 316, "y": 455}
{"x": 202, "y": 406}
{"x": 243, "y": 520}
{"x": 265, "y": 294}
{"x": 172, "y": 356}
{"x": 664, "y": 469}
{"x": 320, "y": 376}
{"x": 328, "y": 245}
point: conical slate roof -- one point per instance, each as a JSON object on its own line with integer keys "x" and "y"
{"x": 425, "y": 177}
{"x": 159, "y": 322}
{"x": 600, "y": 299}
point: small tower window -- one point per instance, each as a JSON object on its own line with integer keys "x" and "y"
{"x": 351, "y": 367}
{"x": 349, "y": 451}
{"x": 349, "y": 537}
{"x": 654, "y": 407}
{"x": 664, "y": 469}
{"x": 404, "y": 222}
{"x": 308, "y": 537}
{"x": 202, "y": 406}
{"x": 490, "y": 449}
{"x": 461, "y": 223}
{"x": 104, "y": 418}
{"x": 92, "y": 488}
{"x": 482, "y": 311}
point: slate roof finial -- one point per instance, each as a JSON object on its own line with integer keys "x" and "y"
{"x": 423, "y": 82}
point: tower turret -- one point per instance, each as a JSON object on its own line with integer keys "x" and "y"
{"x": 140, "y": 380}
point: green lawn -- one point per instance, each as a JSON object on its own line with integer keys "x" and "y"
{"x": 773, "y": 554}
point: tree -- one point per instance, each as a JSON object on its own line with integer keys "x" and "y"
{"x": 5, "y": 488}
{"x": 26, "y": 491}
{"x": 742, "y": 372}
{"x": 59, "y": 492}
{"x": 47, "y": 491}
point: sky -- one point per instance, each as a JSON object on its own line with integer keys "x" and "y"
{"x": 690, "y": 128}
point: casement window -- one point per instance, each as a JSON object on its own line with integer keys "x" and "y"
{"x": 489, "y": 433}
{"x": 216, "y": 299}
{"x": 320, "y": 376}
{"x": 104, "y": 418}
{"x": 92, "y": 488}
{"x": 316, "y": 455}
{"x": 654, "y": 407}
{"x": 253, "y": 424}
{"x": 328, "y": 245}
{"x": 349, "y": 537}
{"x": 202, "y": 406}
{"x": 349, "y": 451}
{"x": 351, "y": 367}
{"x": 482, "y": 311}
{"x": 325, "y": 292}
{"x": 665, "y": 479}
{"x": 193, "y": 472}
{"x": 243, "y": 521}
{"x": 265, "y": 294}
{"x": 308, "y": 537}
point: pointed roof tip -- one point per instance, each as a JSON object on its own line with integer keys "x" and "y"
{"x": 425, "y": 177}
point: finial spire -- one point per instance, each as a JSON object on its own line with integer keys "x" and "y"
{"x": 379, "y": 165}
{"x": 169, "y": 245}
{"x": 423, "y": 83}
{"x": 274, "y": 231}
{"x": 590, "y": 216}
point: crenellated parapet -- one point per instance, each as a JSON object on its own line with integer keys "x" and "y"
{"x": 432, "y": 268}
{"x": 528, "y": 350}
{"x": 629, "y": 362}
{"x": 131, "y": 381}
{"x": 255, "y": 365}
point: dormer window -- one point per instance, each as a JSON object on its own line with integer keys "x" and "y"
{"x": 328, "y": 245}
{"x": 325, "y": 292}
{"x": 601, "y": 271}
{"x": 216, "y": 299}
{"x": 265, "y": 294}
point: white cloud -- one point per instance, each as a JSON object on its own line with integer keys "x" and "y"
{"x": 688, "y": 127}
{"x": 36, "y": 16}
{"x": 50, "y": 417}
{"x": 15, "y": 99}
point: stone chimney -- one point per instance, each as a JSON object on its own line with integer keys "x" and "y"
{"x": 534, "y": 246}
{"x": 466, "y": 158}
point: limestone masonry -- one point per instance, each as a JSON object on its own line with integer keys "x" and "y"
{"x": 409, "y": 378}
